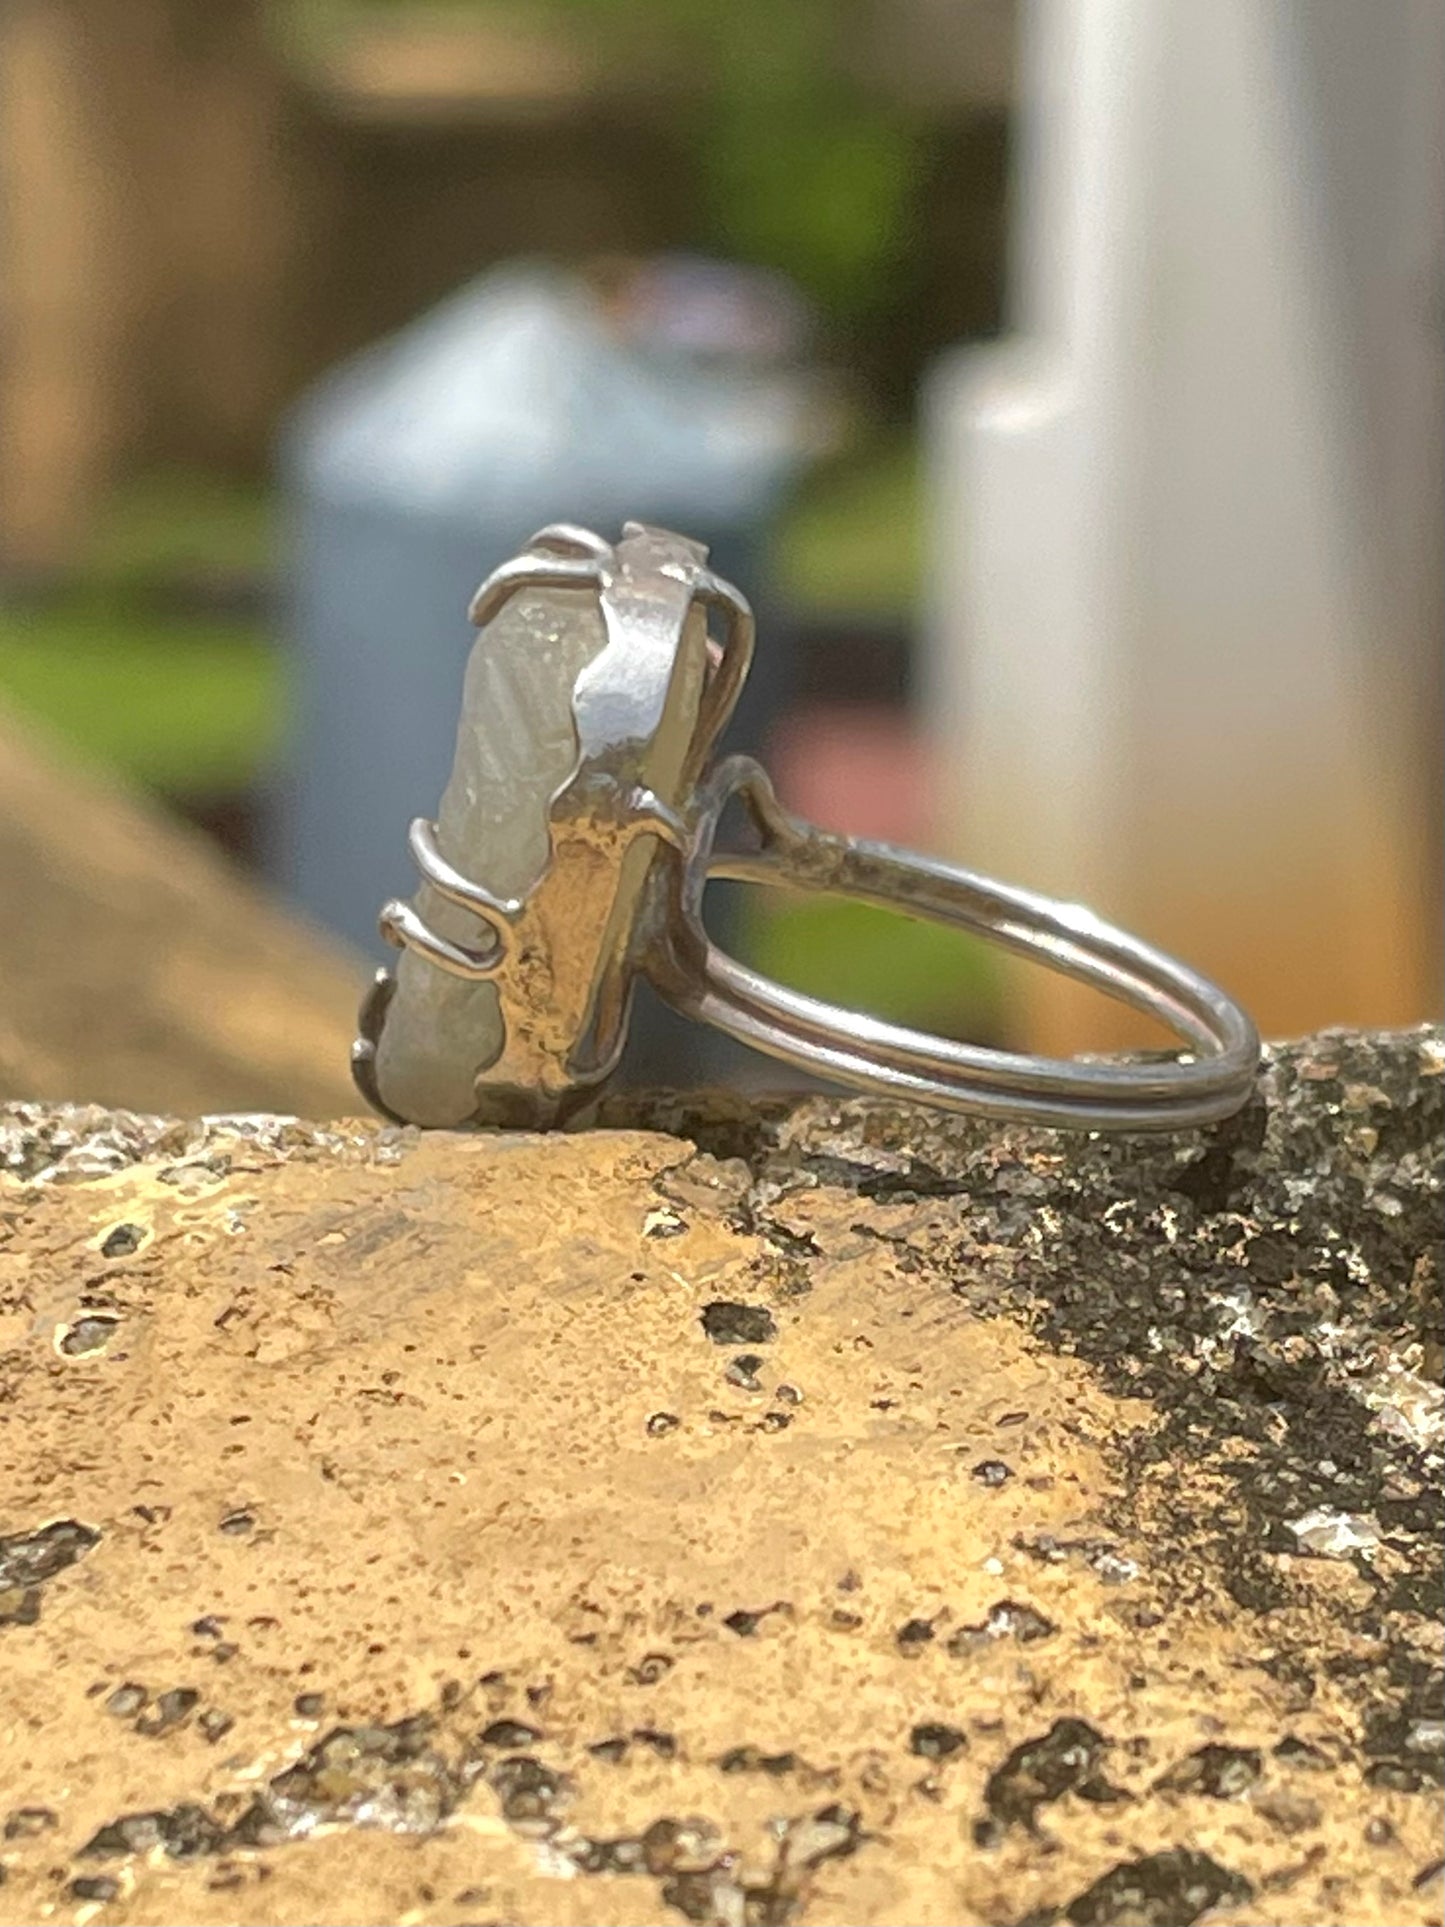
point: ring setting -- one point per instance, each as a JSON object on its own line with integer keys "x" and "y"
{"x": 572, "y": 850}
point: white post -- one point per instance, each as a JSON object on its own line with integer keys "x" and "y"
{"x": 1186, "y": 555}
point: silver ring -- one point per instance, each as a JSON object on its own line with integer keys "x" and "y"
{"x": 509, "y": 1006}
{"x": 851, "y": 1048}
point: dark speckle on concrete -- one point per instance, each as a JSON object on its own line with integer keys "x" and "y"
{"x": 728, "y": 1323}
{"x": 183, "y": 1833}
{"x": 26, "y": 1823}
{"x": 89, "y": 1334}
{"x": 1221, "y": 1772}
{"x": 169, "y": 1709}
{"x": 1170, "y": 1889}
{"x": 1069, "y": 1758}
{"x": 913, "y": 1635}
{"x": 509, "y": 1735}
{"x": 1009, "y": 1619}
{"x": 743, "y": 1370}
{"x": 750, "y": 1759}
{"x": 934, "y": 1740}
{"x": 28, "y": 1560}
{"x": 745, "y": 1622}
{"x": 93, "y": 1887}
{"x": 533, "y": 1796}
{"x": 127, "y": 1700}
{"x": 664, "y": 1745}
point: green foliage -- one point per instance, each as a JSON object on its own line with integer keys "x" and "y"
{"x": 827, "y": 202}
{"x": 805, "y": 169}
{"x": 802, "y": 166}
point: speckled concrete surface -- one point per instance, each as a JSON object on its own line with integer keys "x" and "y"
{"x": 819, "y": 1514}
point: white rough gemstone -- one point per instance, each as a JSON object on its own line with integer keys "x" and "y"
{"x": 516, "y": 747}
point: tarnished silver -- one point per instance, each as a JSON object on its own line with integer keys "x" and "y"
{"x": 564, "y": 955}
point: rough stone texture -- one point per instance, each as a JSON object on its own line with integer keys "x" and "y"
{"x": 138, "y": 967}
{"x": 818, "y": 1514}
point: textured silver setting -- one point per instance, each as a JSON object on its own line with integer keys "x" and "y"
{"x": 563, "y": 965}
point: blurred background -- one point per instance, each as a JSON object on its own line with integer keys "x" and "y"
{"x": 1062, "y": 379}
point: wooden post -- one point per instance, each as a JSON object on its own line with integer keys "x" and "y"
{"x": 146, "y": 221}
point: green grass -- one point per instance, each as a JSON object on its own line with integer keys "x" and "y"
{"x": 894, "y": 967}
{"x": 850, "y": 544}
{"x": 177, "y": 524}
{"x": 121, "y": 670}
{"x": 187, "y": 708}
{"x": 194, "y": 704}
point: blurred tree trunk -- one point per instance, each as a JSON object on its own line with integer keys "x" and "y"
{"x": 145, "y": 226}
{"x": 68, "y": 301}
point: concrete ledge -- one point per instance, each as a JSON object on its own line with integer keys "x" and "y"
{"x": 811, "y": 1514}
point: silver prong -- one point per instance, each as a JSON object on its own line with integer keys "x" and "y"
{"x": 373, "y": 1006}
{"x": 496, "y": 912}
{"x": 648, "y": 815}
{"x": 363, "y": 1050}
{"x": 400, "y": 925}
{"x": 539, "y": 571}
{"x": 730, "y": 666}
{"x": 569, "y": 538}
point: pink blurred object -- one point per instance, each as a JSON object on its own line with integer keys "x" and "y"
{"x": 861, "y": 768}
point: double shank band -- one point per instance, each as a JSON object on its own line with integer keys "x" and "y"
{"x": 1211, "y": 1080}
{"x": 557, "y": 960}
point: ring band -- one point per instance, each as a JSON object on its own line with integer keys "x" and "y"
{"x": 848, "y": 1047}
{"x": 540, "y": 972}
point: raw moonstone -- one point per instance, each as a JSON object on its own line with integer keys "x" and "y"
{"x": 516, "y": 747}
